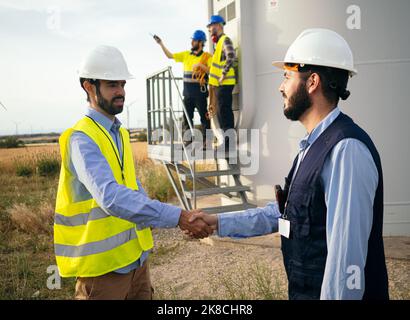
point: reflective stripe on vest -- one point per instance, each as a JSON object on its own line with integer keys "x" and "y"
{"x": 217, "y": 78}
{"x": 217, "y": 67}
{"x": 188, "y": 77}
{"x": 80, "y": 219}
{"x": 88, "y": 242}
{"x": 95, "y": 247}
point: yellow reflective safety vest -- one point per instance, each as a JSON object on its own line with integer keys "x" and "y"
{"x": 87, "y": 241}
{"x": 189, "y": 60}
{"x": 217, "y": 67}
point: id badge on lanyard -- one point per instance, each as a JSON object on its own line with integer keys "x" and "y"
{"x": 281, "y": 198}
{"x": 284, "y": 227}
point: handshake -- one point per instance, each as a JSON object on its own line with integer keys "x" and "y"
{"x": 198, "y": 224}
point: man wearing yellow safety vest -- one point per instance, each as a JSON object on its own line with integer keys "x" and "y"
{"x": 103, "y": 219}
{"x": 196, "y": 65}
{"x": 222, "y": 74}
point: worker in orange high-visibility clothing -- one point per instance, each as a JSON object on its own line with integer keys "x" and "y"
{"x": 196, "y": 66}
{"x": 103, "y": 219}
{"x": 222, "y": 77}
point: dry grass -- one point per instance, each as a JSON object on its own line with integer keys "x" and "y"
{"x": 256, "y": 281}
{"x": 25, "y": 155}
{"x": 37, "y": 220}
{"x": 140, "y": 150}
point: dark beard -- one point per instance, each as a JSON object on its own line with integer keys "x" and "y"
{"x": 195, "y": 48}
{"x": 109, "y": 106}
{"x": 298, "y": 103}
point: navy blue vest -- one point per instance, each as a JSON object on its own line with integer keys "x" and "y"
{"x": 305, "y": 252}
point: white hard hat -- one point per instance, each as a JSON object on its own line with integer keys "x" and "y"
{"x": 320, "y": 47}
{"x": 105, "y": 63}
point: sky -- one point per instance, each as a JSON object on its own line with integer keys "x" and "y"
{"x": 44, "y": 41}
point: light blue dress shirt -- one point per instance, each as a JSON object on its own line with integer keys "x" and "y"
{"x": 95, "y": 180}
{"x": 350, "y": 180}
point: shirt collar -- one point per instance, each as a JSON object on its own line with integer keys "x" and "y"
{"x": 107, "y": 123}
{"x": 309, "y": 139}
{"x": 197, "y": 54}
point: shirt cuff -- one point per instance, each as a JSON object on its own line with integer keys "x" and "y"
{"x": 170, "y": 216}
{"x": 224, "y": 222}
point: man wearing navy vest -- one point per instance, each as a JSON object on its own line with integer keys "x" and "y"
{"x": 330, "y": 212}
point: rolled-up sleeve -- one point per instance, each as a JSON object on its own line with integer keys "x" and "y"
{"x": 94, "y": 172}
{"x": 249, "y": 223}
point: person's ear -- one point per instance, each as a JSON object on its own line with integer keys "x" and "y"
{"x": 90, "y": 88}
{"x": 313, "y": 82}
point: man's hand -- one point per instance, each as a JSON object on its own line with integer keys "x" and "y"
{"x": 200, "y": 66}
{"x": 197, "y": 228}
{"x": 157, "y": 39}
{"x": 221, "y": 79}
{"x": 210, "y": 219}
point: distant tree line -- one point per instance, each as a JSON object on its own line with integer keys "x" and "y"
{"x": 11, "y": 142}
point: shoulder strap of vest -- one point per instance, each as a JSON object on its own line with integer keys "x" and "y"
{"x": 220, "y": 43}
{"x": 342, "y": 128}
{"x": 288, "y": 179}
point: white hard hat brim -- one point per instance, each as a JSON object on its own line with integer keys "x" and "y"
{"x": 281, "y": 65}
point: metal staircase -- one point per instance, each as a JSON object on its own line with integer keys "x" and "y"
{"x": 165, "y": 110}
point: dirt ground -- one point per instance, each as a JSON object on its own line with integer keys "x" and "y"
{"x": 217, "y": 268}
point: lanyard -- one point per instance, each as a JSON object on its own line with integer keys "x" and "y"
{"x": 120, "y": 162}
{"x": 301, "y": 157}
{"x": 300, "y": 160}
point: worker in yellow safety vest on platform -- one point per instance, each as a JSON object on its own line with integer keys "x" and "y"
{"x": 222, "y": 74}
{"x": 103, "y": 219}
{"x": 196, "y": 66}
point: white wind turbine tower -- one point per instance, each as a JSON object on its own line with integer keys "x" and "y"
{"x": 17, "y": 127}
{"x": 128, "y": 113}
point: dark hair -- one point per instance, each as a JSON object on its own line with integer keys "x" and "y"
{"x": 334, "y": 81}
{"x": 92, "y": 81}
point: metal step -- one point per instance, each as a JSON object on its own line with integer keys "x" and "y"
{"x": 205, "y": 174}
{"x": 230, "y": 208}
{"x": 209, "y": 191}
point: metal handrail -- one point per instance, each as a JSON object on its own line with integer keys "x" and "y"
{"x": 191, "y": 168}
{"x": 172, "y": 78}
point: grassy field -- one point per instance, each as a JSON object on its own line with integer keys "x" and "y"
{"x": 26, "y": 218}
